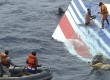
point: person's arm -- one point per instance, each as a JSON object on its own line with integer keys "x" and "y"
{"x": 100, "y": 10}
{"x": 9, "y": 60}
{"x": 0, "y": 55}
{"x": 103, "y": 9}
{"x": 37, "y": 65}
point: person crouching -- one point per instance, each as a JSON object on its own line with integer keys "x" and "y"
{"x": 88, "y": 16}
{"x": 6, "y": 62}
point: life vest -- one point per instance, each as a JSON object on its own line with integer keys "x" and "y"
{"x": 4, "y": 60}
{"x": 32, "y": 61}
{"x": 104, "y": 9}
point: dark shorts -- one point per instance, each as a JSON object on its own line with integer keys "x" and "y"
{"x": 31, "y": 71}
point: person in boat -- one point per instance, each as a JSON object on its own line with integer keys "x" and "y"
{"x": 60, "y": 11}
{"x": 5, "y": 63}
{"x": 104, "y": 13}
{"x": 32, "y": 63}
{"x": 88, "y": 17}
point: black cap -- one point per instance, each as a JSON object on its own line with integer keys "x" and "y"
{"x": 34, "y": 53}
{"x": 6, "y": 52}
{"x": 88, "y": 9}
{"x": 100, "y": 3}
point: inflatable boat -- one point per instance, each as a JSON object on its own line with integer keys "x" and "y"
{"x": 19, "y": 73}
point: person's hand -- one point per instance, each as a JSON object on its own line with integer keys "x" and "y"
{"x": 99, "y": 12}
{"x": 89, "y": 62}
{"x": 39, "y": 65}
{"x": 15, "y": 65}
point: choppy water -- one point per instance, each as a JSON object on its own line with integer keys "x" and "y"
{"x": 27, "y": 25}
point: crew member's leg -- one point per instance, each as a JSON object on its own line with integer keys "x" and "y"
{"x": 103, "y": 23}
{"x": 103, "y": 19}
{"x": 107, "y": 21}
{"x": 87, "y": 21}
{"x": 6, "y": 72}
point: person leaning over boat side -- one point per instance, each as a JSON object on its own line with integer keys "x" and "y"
{"x": 104, "y": 13}
{"x": 32, "y": 62}
{"x": 6, "y": 62}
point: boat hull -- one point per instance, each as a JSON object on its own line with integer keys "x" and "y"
{"x": 19, "y": 73}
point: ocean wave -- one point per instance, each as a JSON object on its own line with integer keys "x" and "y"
{"x": 10, "y": 39}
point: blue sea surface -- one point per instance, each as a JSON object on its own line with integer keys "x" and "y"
{"x": 27, "y": 25}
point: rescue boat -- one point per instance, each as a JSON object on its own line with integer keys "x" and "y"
{"x": 18, "y": 73}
